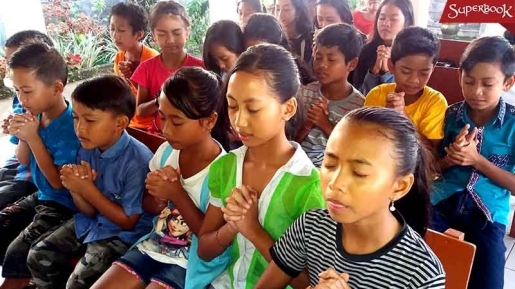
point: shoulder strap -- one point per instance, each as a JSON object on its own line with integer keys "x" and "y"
{"x": 204, "y": 194}
{"x": 166, "y": 154}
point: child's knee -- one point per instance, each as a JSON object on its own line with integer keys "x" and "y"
{"x": 39, "y": 257}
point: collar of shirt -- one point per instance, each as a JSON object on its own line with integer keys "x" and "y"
{"x": 463, "y": 107}
{"x": 115, "y": 150}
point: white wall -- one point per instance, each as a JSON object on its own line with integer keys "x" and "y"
{"x": 18, "y": 15}
{"x": 421, "y": 11}
{"x": 221, "y": 9}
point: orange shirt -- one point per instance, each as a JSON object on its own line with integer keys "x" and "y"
{"x": 146, "y": 53}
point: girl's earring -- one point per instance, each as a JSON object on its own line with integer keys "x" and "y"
{"x": 392, "y": 207}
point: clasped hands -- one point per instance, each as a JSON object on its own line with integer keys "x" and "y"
{"x": 79, "y": 178}
{"x": 23, "y": 126}
{"x": 463, "y": 151}
{"x": 330, "y": 279}
{"x": 318, "y": 114}
{"x": 164, "y": 184}
{"x": 241, "y": 210}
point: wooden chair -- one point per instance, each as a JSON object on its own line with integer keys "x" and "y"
{"x": 455, "y": 254}
{"x": 152, "y": 141}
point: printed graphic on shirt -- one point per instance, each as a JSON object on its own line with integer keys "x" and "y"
{"x": 172, "y": 236}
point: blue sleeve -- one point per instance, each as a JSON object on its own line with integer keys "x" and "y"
{"x": 17, "y": 109}
{"x": 66, "y": 151}
{"x": 133, "y": 189}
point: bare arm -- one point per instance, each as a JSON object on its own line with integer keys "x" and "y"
{"x": 22, "y": 153}
{"x": 83, "y": 206}
{"x": 189, "y": 211}
{"x": 274, "y": 277}
{"x": 145, "y": 105}
{"x": 302, "y": 134}
{"x": 215, "y": 234}
{"x": 45, "y": 162}
{"x": 113, "y": 211}
{"x": 153, "y": 205}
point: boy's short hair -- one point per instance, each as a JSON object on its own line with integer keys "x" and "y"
{"x": 492, "y": 49}
{"x": 346, "y": 37}
{"x": 415, "y": 40}
{"x": 133, "y": 13}
{"x": 28, "y": 37}
{"x": 107, "y": 93}
{"x": 46, "y": 62}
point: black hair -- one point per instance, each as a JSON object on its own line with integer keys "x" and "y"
{"x": 341, "y": 6}
{"x": 46, "y": 62}
{"x": 265, "y": 27}
{"x": 135, "y": 14}
{"x": 346, "y": 37}
{"x": 415, "y": 40}
{"x": 225, "y": 33}
{"x": 281, "y": 74}
{"x": 28, "y": 37}
{"x": 107, "y": 93}
{"x": 412, "y": 157}
{"x": 303, "y": 21}
{"x": 162, "y": 8}
{"x": 492, "y": 49}
{"x": 255, "y": 4}
{"x": 196, "y": 92}
{"x": 509, "y": 36}
{"x": 406, "y": 8}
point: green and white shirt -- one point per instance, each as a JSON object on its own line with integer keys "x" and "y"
{"x": 293, "y": 190}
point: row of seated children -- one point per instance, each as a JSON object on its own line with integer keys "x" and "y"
{"x": 170, "y": 27}
{"x": 288, "y": 185}
{"x": 428, "y": 57}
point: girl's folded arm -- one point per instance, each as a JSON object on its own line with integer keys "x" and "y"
{"x": 215, "y": 234}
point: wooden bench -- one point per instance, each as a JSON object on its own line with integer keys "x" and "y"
{"x": 152, "y": 141}
{"x": 455, "y": 254}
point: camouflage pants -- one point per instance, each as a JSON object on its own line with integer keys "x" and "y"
{"x": 50, "y": 259}
{"x": 24, "y": 224}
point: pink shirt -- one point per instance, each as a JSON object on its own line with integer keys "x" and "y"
{"x": 151, "y": 74}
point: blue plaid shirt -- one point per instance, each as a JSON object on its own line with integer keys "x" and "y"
{"x": 496, "y": 142}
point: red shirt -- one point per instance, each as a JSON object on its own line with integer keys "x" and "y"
{"x": 151, "y": 75}
{"x": 363, "y": 25}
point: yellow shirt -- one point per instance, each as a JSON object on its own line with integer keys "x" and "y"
{"x": 427, "y": 113}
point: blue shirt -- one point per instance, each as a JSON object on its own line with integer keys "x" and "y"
{"x": 496, "y": 143}
{"x": 22, "y": 172}
{"x": 62, "y": 143}
{"x": 121, "y": 173}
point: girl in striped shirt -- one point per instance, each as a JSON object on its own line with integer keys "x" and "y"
{"x": 375, "y": 180}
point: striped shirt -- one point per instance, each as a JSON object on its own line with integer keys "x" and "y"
{"x": 314, "y": 242}
{"x": 315, "y": 142}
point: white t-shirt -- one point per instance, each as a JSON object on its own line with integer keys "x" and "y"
{"x": 171, "y": 239}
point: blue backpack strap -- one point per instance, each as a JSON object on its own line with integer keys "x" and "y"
{"x": 166, "y": 154}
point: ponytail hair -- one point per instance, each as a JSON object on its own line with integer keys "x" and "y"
{"x": 412, "y": 158}
{"x": 197, "y": 93}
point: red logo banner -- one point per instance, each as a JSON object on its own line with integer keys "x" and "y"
{"x": 480, "y": 11}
